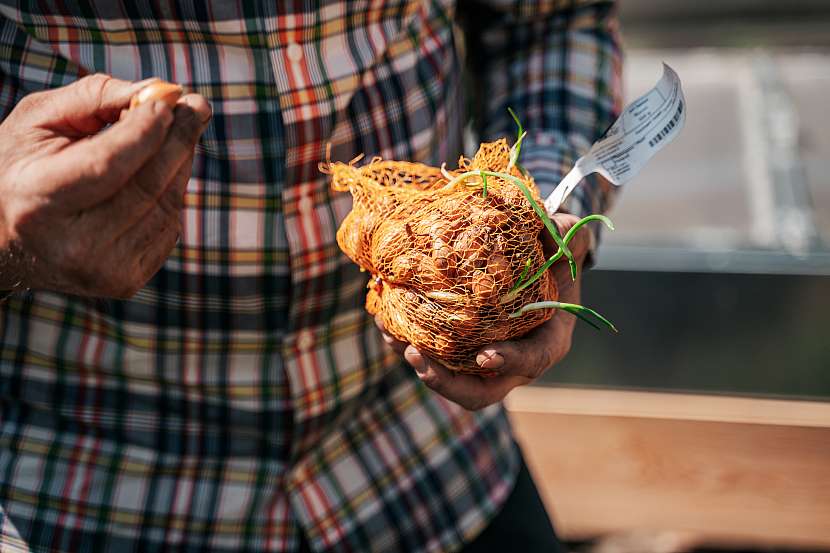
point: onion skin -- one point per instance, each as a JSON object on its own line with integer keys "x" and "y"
{"x": 374, "y": 301}
{"x": 465, "y": 318}
{"x": 349, "y": 235}
{"x": 444, "y": 258}
{"x": 162, "y": 91}
{"x": 430, "y": 276}
{"x": 490, "y": 218}
{"x": 484, "y": 287}
{"x": 390, "y": 240}
{"x": 403, "y": 268}
{"x": 499, "y": 267}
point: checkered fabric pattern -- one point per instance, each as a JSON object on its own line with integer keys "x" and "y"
{"x": 243, "y": 395}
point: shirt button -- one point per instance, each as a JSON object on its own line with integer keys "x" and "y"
{"x": 294, "y": 52}
{"x": 305, "y": 206}
{"x": 305, "y": 340}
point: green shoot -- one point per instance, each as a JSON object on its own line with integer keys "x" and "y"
{"x": 519, "y": 137}
{"x": 484, "y": 185}
{"x": 444, "y": 171}
{"x": 540, "y": 211}
{"x": 579, "y": 311}
{"x": 514, "y": 152}
{"x": 562, "y": 242}
{"x": 519, "y": 286}
{"x": 524, "y": 273}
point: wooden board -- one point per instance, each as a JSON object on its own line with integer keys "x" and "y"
{"x": 727, "y": 470}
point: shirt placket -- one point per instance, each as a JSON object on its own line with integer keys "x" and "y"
{"x": 310, "y": 224}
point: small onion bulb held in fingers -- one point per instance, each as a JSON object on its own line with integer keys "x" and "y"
{"x": 162, "y": 91}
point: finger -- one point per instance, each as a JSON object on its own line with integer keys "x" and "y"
{"x": 122, "y": 277}
{"x": 579, "y": 244}
{"x": 398, "y": 346}
{"x": 147, "y": 265}
{"x": 531, "y": 355}
{"x": 142, "y": 251}
{"x": 92, "y": 170}
{"x": 154, "y": 258}
{"x": 85, "y": 106}
{"x": 199, "y": 105}
{"x": 172, "y": 201}
{"x": 192, "y": 115}
{"x": 109, "y": 227}
{"x": 91, "y": 270}
{"x": 470, "y": 391}
{"x": 154, "y": 179}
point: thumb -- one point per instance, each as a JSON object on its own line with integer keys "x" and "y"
{"x": 87, "y": 105}
{"x": 532, "y": 354}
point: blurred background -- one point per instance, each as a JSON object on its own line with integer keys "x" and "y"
{"x": 718, "y": 277}
{"x": 718, "y": 272}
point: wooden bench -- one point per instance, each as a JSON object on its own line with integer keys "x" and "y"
{"x": 725, "y": 470}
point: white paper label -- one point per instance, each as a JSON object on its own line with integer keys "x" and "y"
{"x": 645, "y": 126}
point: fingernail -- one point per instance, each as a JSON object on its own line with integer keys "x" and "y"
{"x": 186, "y": 114}
{"x": 418, "y": 364}
{"x": 414, "y": 358}
{"x": 192, "y": 101}
{"x": 160, "y": 108}
{"x": 188, "y": 121}
{"x": 489, "y": 359}
{"x": 207, "y": 119}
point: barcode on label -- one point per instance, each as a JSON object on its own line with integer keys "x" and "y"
{"x": 669, "y": 126}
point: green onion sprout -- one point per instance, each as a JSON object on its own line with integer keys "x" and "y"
{"x": 579, "y": 311}
{"x": 523, "y": 282}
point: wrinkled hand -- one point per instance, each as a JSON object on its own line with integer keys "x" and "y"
{"x": 90, "y": 210}
{"x": 518, "y": 362}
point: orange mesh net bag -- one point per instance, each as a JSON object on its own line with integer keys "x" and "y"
{"x": 455, "y": 257}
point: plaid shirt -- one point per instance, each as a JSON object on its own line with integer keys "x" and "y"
{"x": 243, "y": 394}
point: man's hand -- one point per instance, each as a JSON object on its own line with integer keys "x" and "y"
{"x": 518, "y": 362}
{"x": 90, "y": 210}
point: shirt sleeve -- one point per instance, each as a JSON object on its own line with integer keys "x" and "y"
{"x": 558, "y": 66}
{"x": 10, "y": 86}
{"x": 8, "y": 94}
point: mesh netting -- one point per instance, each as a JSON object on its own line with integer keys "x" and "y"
{"x": 443, "y": 256}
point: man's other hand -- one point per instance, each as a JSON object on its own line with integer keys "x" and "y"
{"x": 90, "y": 198}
